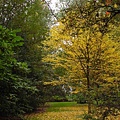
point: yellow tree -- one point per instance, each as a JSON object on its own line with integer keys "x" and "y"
{"x": 90, "y": 56}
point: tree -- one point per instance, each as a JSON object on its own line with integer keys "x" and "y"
{"x": 81, "y": 44}
{"x": 32, "y": 17}
{"x": 13, "y": 81}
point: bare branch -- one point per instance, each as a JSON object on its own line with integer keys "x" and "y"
{"x": 48, "y": 5}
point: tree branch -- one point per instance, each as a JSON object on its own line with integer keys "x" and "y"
{"x": 48, "y": 5}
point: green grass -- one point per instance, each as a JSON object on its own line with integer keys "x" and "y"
{"x": 62, "y": 104}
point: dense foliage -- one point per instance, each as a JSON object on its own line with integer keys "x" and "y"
{"x": 22, "y": 71}
{"x": 85, "y": 44}
{"x": 16, "y": 90}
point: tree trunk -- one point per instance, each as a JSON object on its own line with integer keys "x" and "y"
{"x": 88, "y": 77}
{"x": 89, "y": 100}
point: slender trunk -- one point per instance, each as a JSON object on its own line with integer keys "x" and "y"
{"x": 88, "y": 88}
{"x": 88, "y": 78}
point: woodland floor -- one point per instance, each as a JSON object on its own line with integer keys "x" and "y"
{"x": 61, "y": 111}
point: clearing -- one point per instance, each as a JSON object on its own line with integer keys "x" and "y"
{"x": 60, "y": 111}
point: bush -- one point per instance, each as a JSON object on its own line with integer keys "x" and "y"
{"x": 81, "y": 99}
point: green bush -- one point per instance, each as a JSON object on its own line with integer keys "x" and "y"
{"x": 81, "y": 99}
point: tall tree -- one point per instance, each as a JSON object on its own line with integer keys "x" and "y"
{"x": 32, "y": 18}
{"x": 14, "y": 85}
{"x": 80, "y": 43}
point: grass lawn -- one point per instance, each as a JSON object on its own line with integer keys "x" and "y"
{"x": 60, "y": 111}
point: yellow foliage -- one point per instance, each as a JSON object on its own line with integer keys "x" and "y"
{"x": 115, "y": 5}
{"x": 54, "y": 83}
{"x": 79, "y": 49}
